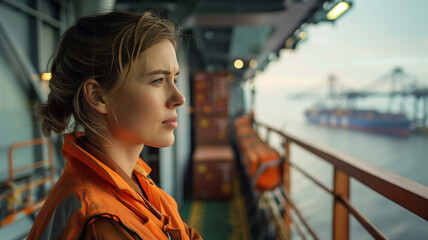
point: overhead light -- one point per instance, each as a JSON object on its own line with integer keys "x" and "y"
{"x": 338, "y": 10}
{"x": 46, "y": 76}
{"x": 302, "y": 35}
{"x": 238, "y": 64}
{"x": 253, "y": 63}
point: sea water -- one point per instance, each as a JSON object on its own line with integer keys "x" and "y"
{"x": 405, "y": 156}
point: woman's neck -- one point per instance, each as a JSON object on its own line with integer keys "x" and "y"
{"x": 123, "y": 154}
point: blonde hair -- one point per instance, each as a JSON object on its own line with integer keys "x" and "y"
{"x": 101, "y": 47}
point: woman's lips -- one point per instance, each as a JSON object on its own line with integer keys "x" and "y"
{"x": 171, "y": 122}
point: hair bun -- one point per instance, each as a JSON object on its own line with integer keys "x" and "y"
{"x": 54, "y": 116}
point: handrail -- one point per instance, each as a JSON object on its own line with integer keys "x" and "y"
{"x": 267, "y": 197}
{"x": 13, "y": 194}
{"x": 299, "y": 214}
{"x": 409, "y": 194}
{"x": 406, "y": 193}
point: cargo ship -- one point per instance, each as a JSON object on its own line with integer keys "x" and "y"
{"x": 365, "y": 120}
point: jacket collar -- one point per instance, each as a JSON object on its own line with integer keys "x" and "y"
{"x": 73, "y": 152}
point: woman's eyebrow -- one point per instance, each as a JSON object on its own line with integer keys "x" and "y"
{"x": 160, "y": 71}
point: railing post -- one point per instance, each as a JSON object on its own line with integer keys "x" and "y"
{"x": 340, "y": 213}
{"x": 286, "y": 181}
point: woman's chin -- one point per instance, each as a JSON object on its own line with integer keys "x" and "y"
{"x": 162, "y": 143}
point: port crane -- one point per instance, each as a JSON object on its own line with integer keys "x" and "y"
{"x": 395, "y": 85}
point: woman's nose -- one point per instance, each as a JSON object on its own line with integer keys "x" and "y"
{"x": 177, "y": 99}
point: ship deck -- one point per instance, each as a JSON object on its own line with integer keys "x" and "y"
{"x": 219, "y": 219}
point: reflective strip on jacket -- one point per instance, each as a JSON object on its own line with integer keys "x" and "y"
{"x": 88, "y": 189}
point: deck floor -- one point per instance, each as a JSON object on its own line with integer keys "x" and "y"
{"x": 219, "y": 219}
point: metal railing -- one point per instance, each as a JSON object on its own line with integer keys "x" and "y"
{"x": 406, "y": 193}
{"x": 15, "y": 188}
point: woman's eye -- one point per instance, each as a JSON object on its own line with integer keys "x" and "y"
{"x": 157, "y": 80}
{"x": 175, "y": 81}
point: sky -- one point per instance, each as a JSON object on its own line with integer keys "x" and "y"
{"x": 366, "y": 43}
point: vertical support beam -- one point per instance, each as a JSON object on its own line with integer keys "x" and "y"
{"x": 11, "y": 177}
{"x": 40, "y": 39}
{"x": 35, "y": 42}
{"x": 286, "y": 182}
{"x": 340, "y": 213}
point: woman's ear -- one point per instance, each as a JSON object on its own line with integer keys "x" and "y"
{"x": 94, "y": 95}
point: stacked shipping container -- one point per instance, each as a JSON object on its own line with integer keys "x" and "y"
{"x": 213, "y": 158}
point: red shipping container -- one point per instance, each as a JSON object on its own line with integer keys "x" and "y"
{"x": 210, "y": 92}
{"x": 220, "y": 92}
{"x": 213, "y": 168}
{"x": 211, "y": 129}
{"x": 202, "y": 92}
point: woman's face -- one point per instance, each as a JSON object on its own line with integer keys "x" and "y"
{"x": 150, "y": 99}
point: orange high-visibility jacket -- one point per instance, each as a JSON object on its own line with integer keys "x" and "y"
{"x": 88, "y": 190}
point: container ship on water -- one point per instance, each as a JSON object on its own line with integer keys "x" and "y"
{"x": 365, "y": 120}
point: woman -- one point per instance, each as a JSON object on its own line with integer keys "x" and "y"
{"x": 115, "y": 74}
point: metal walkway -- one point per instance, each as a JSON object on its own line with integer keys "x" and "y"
{"x": 219, "y": 219}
